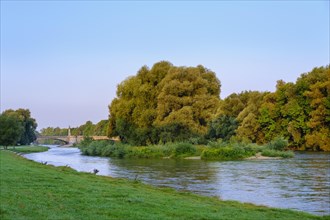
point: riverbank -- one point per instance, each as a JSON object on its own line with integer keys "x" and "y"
{"x": 28, "y": 149}
{"x": 30, "y": 190}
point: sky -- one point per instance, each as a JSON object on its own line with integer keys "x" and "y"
{"x": 63, "y": 60}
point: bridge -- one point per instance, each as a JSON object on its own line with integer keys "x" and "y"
{"x": 71, "y": 139}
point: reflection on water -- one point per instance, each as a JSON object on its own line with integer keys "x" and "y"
{"x": 301, "y": 183}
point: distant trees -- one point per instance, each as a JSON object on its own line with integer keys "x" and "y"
{"x": 87, "y": 129}
{"x": 17, "y": 127}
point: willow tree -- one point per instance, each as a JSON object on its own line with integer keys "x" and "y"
{"x": 188, "y": 99}
{"x": 164, "y": 102}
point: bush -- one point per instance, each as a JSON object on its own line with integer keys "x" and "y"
{"x": 226, "y": 153}
{"x": 184, "y": 149}
{"x": 217, "y": 144}
{"x": 278, "y": 144}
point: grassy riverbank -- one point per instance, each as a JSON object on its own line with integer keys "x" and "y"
{"x": 28, "y": 149}
{"x": 30, "y": 190}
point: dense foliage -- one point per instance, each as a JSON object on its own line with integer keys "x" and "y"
{"x": 10, "y": 130}
{"x": 17, "y": 127}
{"x": 170, "y": 104}
{"x": 299, "y": 112}
{"x": 164, "y": 104}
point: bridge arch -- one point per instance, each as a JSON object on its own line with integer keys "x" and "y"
{"x": 59, "y": 138}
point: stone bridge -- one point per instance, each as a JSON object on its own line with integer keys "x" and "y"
{"x": 72, "y": 139}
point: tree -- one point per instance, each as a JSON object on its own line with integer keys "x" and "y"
{"x": 29, "y": 125}
{"x": 223, "y": 127}
{"x": 101, "y": 128}
{"x": 319, "y": 122}
{"x": 164, "y": 99}
{"x": 299, "y": 111}
{"x": 189, "y": 97}
{"x": 11, "y": 130}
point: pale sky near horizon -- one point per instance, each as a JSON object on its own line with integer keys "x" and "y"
{"x": 63, "y": 60}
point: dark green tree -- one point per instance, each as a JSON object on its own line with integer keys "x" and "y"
{"x": 223, "y": 127}
{"x": 11, "y": 130}
{"x": 29, "y": 125}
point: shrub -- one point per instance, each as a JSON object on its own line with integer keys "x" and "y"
{"x": 217, "y": 144}
{"x": 278, "y": 144}
{"x": 226, "y": 153}
{"x": 185, "y": 149}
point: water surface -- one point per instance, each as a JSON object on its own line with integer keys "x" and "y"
{"x": 301, "y": 183}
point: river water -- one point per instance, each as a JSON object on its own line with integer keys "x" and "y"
{"x": 301, "y": 183}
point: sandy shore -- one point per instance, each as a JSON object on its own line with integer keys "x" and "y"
{"x": 258, "y": 156}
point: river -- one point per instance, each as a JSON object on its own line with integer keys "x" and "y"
{"x": 301, "y": 183}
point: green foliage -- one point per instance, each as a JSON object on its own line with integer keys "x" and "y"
{"x": 86, "y": 141}
{"x": 226, "y": 153}
{"x": 87, "y": 129}
{"x": 278, "y": 144}
{"x": 299, "y": 112}
{"x": 223, "y": 127}
{"x": 17, "y": 127}
{"x": 221, "y": 150}
{"x": 11, "y": 130}
{"x": 28, "y": 124}
{"x": 50, "y": 131}
{"x": 184, "y": 149}
{"x": 164, "y": 104}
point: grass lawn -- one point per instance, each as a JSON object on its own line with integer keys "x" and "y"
{"x": 30, "y": 190}
{"x": 28, "y": 149}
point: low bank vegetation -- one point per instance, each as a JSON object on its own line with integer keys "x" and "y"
{"x": 216, "y": 150}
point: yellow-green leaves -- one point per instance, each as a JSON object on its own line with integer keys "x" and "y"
{"x": 164, "y": 99}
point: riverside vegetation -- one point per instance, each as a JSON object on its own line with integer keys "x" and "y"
{"x": 213, "y": 151}
{"x": 166, "y": 103}
{"x": 31, "y": 190}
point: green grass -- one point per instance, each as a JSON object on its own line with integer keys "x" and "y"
{"x": 30, "y": 190}
{"x": 28, "y": 149}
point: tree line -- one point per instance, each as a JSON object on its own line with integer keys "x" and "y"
{"x": 167, "y": 103}
{"x": 17, "y": 127}
{"x": 87, "y": 129}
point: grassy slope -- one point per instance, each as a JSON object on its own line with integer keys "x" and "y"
{"x": 30, "y": 190}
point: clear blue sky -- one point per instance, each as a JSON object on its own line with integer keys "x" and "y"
{"x": 63, "y": 60}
